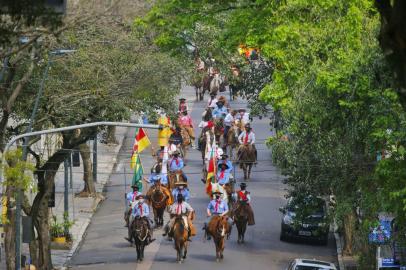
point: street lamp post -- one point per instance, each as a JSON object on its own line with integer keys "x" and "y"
{"x": 19, "y": 193}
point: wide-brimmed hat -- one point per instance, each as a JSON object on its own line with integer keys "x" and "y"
{"x": 134, "y": 186}
{"x": 217, "y": 192}
{"x": 140, "y": 196}
{"x": 241, "y": 110}
{"x": 180, "y": 184}
{"x": 182, "y": 99}
{"x": 176, "y": 152}
{"x": 243, "y": 185}
{"x": 223, "y": 163}
{"x": 224, "y": 155}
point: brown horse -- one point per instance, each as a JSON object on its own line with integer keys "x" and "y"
{"x": 158, "y": 197}
{"x": 232, "y": 140}
{"x": 241, "y": 216}
{"x": 180, "y": 235}
{"x": 219, "y": 129}
{"x": 219, "y": 228}
{"x": 175, "y": 177}
{"x": 186, "y": 141}
{"x": 197, "y": 82}
{"x": 246, "y": 158}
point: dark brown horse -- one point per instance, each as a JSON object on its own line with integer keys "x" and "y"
{"x": 180, "y": 235}
{"x": 219, "y": 228}
{"x": 246, "y": 158}
{"x": 241, "y": 216}
{"x": 139, "y": 236}
{"x": 197, "y": 82}
{"x": 158, "y": 197}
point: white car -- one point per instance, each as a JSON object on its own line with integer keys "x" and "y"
{"x": 310, "y": 264}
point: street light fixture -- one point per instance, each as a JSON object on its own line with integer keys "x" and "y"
{"x": 25, "y": 153}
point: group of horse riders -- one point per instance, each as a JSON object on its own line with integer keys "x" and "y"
{"x": 168, "y": 180}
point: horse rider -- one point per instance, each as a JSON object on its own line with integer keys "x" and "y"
{"x": 229, "y": 121}
{"x": 176, "y": 164}
{"x": 159, "y": 177}
{"x": 224, "y": 159}
{"x": 247, "y": 137}
{"x": 244, "y": 196}
{"x": 130, "y": 197}
{"x": 175, "y": 140}
{"x": 220, "y": 111}
{"x": 186, "y": 122}
{"x": 212, "y": 101}
{"x": 216, "y": 207}
{"x": 165, "y": 132}
{"x": 182, "y": 105}
{"x": 243, "y": 116}
{"x": 140, "y": 210}
{"x": 180, "y": 207}
{"x": 223, "y": 175}
{"x": 181, "y": 188}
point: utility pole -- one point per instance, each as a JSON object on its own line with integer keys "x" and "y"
{"x": 95, "y": 159}
{"x": 66, "y": 195}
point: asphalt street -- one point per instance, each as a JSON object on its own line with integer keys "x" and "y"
{"x": 104, "y": 246}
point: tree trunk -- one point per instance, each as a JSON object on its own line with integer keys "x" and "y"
{"x": 89, "y": 188}
{"x": 111, "y": 135}
{"x": 349, "y": 229}
{"x": 9, "y": 231}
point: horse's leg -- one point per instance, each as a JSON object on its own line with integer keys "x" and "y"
{"x": 249, "y": 171}
{"x": 185, "y": 251}
{"x": 138, "y": 251}
{"x": 221, "y": 248}
{"x": 244, "y": 229}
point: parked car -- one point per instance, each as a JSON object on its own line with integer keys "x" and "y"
{"x": 306, "y": 264}
{"x": 305, "y": 218}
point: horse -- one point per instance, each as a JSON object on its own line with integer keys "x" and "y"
{"x": 197, "y": 82}
{"x": 215, "y": 84}
{"x": 232, "y": 139}
{"x": 139, "y": 234}
{"x": 159, "y": 201}
{"x": 241, "y": 214}
{"x": 218, "y": 228}
{"x": 246, "y": 158}
{"x": 223, "y": 84}
{"x": 219, "y": 129}
{"x": 203, "y": 142}
{"x": 186, "y": 141}
{"x": 206, "y": 83}
{"x": 180, "y": 236}
{"x": 175, "y": 177}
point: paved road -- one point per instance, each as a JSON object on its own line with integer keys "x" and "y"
{"x": 105, "y": 248}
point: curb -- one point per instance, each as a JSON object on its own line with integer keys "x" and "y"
{"x": 97, "y": 201}
{"x": 337, "y": 237}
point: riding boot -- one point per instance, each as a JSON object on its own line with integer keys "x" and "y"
{"x": 189, "y": 235}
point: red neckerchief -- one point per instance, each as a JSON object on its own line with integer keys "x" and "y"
{"x": 222, "y": 174}
{"x": 216, "y": 207}
{"x": 246, "y": 137}
{"x": 179, "y": 208}
{"x": 243, "y": 195}
{"x": 174, "y": 159}
{"x": 140, "y": 207}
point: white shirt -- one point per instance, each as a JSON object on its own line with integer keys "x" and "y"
{"x": 228, "y": 120}
{"x": 202, "y": 124}
{"x": 245, "y": 118}
{"x": 251, "y": 137}
{"x": 212, "y": 103}
{"x": 178, "y": 209}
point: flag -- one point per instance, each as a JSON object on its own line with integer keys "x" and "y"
{"x": 141, "y": 141}
{"x": 138, "y": 172}
{"x": 211, "y": 170}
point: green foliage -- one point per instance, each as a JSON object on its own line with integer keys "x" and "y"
{"x": 18, "y": 173}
